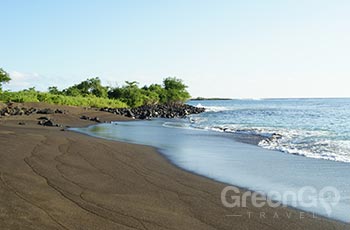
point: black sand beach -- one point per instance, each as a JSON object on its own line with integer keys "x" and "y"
{"x": 52, "y": 178}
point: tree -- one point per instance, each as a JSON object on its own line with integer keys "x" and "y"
{"x": 54, "y": 90}
{"x": 131, "y": 84}
{"x": 115, "y": 93}
{"x": 4, "y": 78}
{"x": 160, "y": 91}
{"x": 88, "y": 87}
{"x": 150, "y": 97}
{"x": 131, "y": 94}
{"x": 175, "y": 90}
{"x": 172, "y": 91}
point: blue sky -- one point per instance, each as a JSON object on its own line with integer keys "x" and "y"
{"x": 238, "y": 49}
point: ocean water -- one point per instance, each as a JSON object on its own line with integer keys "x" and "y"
{"x": 316, "y": 128}
{"x": 267, "y": 146}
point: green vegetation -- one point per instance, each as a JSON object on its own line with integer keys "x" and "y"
{"x": 175, "y": 90}
{"x": 31, "y": 95}
{"x": 90, "y": 87}
{"x": 92, "y": 93}
{"x": 4, "y": 78}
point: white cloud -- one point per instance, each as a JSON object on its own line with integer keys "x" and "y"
{"x": 21, "y": 80}
{"x": 25, "y": 80}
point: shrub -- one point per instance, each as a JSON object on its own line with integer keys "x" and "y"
{"x": 35, "y": 96}
{"x": 91, "y": 93}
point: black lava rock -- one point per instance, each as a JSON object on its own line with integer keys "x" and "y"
{"x": 155, "y": 111}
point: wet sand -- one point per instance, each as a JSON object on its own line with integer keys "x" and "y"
{"x": 54, "y": 179}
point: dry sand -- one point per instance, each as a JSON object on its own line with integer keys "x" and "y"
{"x": 53, "y": 179}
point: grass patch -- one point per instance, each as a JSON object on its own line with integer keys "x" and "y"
{"x": 35, "y": 96}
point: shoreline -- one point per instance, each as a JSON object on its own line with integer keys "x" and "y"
{"x": 170, "y": 196}
{"x": 241, "y": 188}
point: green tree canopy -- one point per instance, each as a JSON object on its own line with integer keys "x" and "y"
{"x": 4, "y": 77}
{"x": 175, "y": 90}
{"x": 131, "y": 94}
{"x": 54, "y": 90}
{"x": 159, "y": 91}
{"x": 91, "y": 86}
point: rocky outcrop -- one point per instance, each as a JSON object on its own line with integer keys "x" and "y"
{"x": 15, "y": 110}
{"x": 143, "y": 112}
{"x": 44, "y": 121}
{"x": 95, "y": 119}
{"x": 157, "y": 111}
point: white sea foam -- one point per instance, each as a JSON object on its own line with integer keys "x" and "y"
{"x": 306, "y": 143}
{"x": 213, "y": 108}
{"x": 336, "y": 150}
{"x": 315, "y": 128}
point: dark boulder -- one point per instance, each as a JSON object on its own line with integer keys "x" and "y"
{"x": 85, "y": 117}
{"x": 43, "y": 118}
{"x": 129, "y": 113}
{"x": 60, "y": 111}
{"x": 45, "y": 111}
{"x": 46, "y": 123}
{"x": 95, "y": 119}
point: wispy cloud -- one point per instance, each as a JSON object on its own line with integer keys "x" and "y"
{"x": 24, "y": 80}
{"x": 21, "y": 80}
